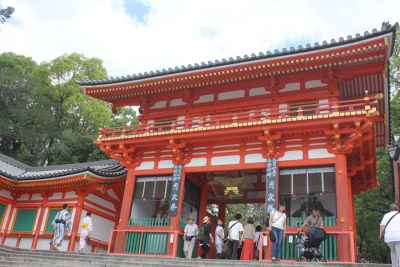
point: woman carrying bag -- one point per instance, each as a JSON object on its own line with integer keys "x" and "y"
{"x": 277, "y": 230}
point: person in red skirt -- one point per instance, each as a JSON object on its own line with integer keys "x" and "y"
{"x": 249, "y": 235}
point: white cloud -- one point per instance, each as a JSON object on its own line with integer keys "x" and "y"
{"x": 182, "y": 31}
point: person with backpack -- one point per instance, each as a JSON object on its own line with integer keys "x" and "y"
{"x": 234, "y": 236}
{"x": 204, "y": 237}
{"x": 277, "y": 229}
{"x": 390, "y": 233}
{"x": 189, "y": 234}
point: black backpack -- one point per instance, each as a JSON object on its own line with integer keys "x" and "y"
{"x": 200, "y": 234}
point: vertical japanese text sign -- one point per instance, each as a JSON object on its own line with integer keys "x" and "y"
{"x": 175, "y": 190}
{"x": 270, "y": 184}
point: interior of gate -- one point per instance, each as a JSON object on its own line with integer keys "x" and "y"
{"x": 212, "y": 193}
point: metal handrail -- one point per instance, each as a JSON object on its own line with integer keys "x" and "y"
{"x": 246, "y": 116}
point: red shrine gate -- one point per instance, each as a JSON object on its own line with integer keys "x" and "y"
{"x": 207, "y": 130}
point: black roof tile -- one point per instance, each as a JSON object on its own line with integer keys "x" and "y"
{"x": 386, "y": 28}
{"x": 17, "y": 171}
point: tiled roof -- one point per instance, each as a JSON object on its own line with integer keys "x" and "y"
{"x": 386, "y": 28}
{"x": 18, "y": 171}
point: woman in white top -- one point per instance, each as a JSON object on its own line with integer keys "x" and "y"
{"x": 86, "y": 230}
{"x": 390, "y": 231}
{"x": 277, "y": 228}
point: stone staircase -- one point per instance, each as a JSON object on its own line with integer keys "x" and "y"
{"x": 10, "y": 256}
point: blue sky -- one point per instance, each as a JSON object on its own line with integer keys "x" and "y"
{"x": 133, "y": 36}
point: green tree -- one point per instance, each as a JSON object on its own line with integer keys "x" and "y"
{"x": 46, "y": 119}
{"x": 25, "y": 118}
{"x": 373, "y": 204}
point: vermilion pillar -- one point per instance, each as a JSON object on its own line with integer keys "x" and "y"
{"x": 126, "y": 205}
{"x": 345, "y": 211}
{"x": 344, "y": 196}
{"x": 77, "y": 220}
{"x": 127, "y": 199}
{"x": 41, "y": 221}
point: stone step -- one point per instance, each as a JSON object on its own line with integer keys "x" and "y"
{"x": 10, "y": 256}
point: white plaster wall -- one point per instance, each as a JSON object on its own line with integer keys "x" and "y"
{"x": 5, "y": 193}
{"x": 319, "y": 153}
{"x": 291, "y": 87}
{"x": 252, "y": 158}
{"x": 146, "y": 165}
{"x": 177, "y": 102}
{"x": 43, "y": 244}
{"x": 224, "y": 160}
{"x": 101, "y": 201}
{"x": 10, "y": 241}
{"x": 196, "y": 162}
{"x": 314, "y": 84}
{"x": 37, "y": 197}
{"x": 70, "y": 194}
{"x": 159, "y": 104}
{"x": 231, "y": 95}
{"x": 292, "y": 155}
{"x": 101, "y": 228}
{"x": 98, "y": 209}
{"x": 162, "y": 164}
{"x": 204, "y": 99}
{"x": 112, "y": 194}
{"x": 26, "y": 243}
{"x": 56, "y": 195}
{"x": 24, "y": 197}
{"x": 258, "y": 91}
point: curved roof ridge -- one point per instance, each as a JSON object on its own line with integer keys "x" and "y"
{"x": 386, "y": 28}
{"x": 18, "y": 171}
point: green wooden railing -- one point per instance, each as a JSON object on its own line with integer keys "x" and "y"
{"x": 149, "y": 222}
{"x": 290, "y": 251}
{"x": 151, "y": 243}
{"x": 297, "y": 221}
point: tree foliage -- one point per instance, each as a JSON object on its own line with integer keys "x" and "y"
{"x": 46, "y": 119}
{"x": 373, "y": 204}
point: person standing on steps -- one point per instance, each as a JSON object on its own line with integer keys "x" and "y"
{"x": 219, "y": 239}
{"x": 86, "y": 231}
{"x": 235, "y": 235}
{"x": 249, "y": 235}
{"x": 390, "y": 233}
{"x": 189, "y": 234}
{"x": 61, "y": 224}
{"x": 206, "y": 237}
{"x": 277, "y": 230}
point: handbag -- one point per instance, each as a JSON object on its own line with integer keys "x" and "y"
{"x": 189, "y": 238}
{"x": 384, "y": 229}
{"x": 87, "y": 239}
{"x": 272, "y": 237}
